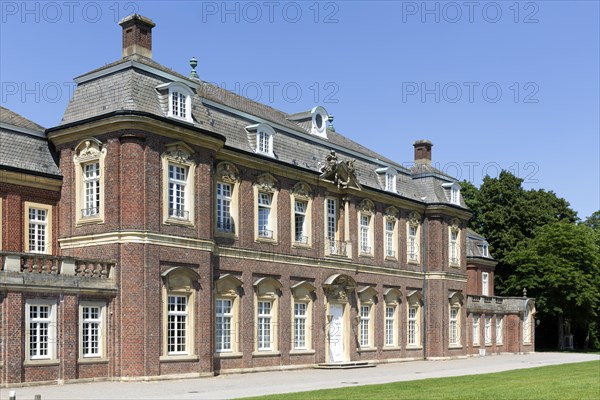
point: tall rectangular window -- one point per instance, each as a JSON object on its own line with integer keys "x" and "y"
{"x": 223, "y": 320}
{"x": 300, "y": 231}
{"x": 178, "y": 104}
{"x": 488, "y": 330}
{"x": 41, "y": 329}
{"x": 475, "y": 330}
{"x": 454, "y": 336}
{"x": 38, "y": 224}
{"x": 527, "y": 325}
{"x": 264, "y": 325}
{"x": 177, "y": 191}
{"x": 224, "y": 193}
{"x": 91, "y": 188}
{"x": 177, "y": 324}
{"x": 300, "y": 318}
{"x": 91, "y": 331}
{"x": 485, "y": 284}
{"x": 389, "y": 238}
{"x": 390, "y": 182}
{"x": 331, "y": 219}
{"x": 365, "y": 323}
{"x": 263, "y": 142}
{"x": 365, "y": 221}
{"x": 390, "y": 317}
{"x": 412, "y": 243}
{"x": 453, "y": 246}
{"x": 454, "y": 195}
{"x": 264, "y": 215}
{"x": 499, "y": 329}
{"x": 412, "y": 326}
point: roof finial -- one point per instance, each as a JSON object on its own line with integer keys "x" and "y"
{"x": 193, "y": 64}
{"x": 330, "y": 119}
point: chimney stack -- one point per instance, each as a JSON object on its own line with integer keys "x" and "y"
{"x": 137, "y": 35}
{"x": 423, "y": 151}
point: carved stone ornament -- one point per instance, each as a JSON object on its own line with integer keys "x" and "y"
{"x": 266, "y": 182}
{"x": 228, "y": 173}
{"x": 336, "y": 292}
{"x": 391, "y": 214}
{"x": 87, "y": 150}
{"x": 366, "y": 207}
{"x": 302, "y": 191}
{"x": 179, "y": 152}
{"x": 414, "y": 218}
{"x": 342, "y": 173}
{"x": 455, "y": 224}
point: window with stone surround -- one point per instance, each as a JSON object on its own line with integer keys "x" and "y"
{"x": 366, "y": 212}
{"x": 266, "y": 301}
{"x": 92, "y": 330}
{"x": 227, "y": 184}
{"x": 301, "y": 201}
{"x": 455, "y": 300}
{"x": 89, "y": 163}
{"x": 476, "y": 330}
{"x": 40, "y": 334}
{"x": 367, "y": 298}
{"x": 413, "y": 316}
{"x": 391, "y": 307}
{"x": 390, "y": 232}
{"x": 487, "y": 331}
{"x": 261, "y": 139}
{"x": 38, "y": 228}
{"x": 227, "y": 301}
{"x": 265, "y": 214}
{"x": 178, "y": 184}
{"x": 413, "y": 233}
{"x": 485, "y": 283}
{"x": 499, "y": 329}
{"x": 302, "y": 303}
{"x": 454, "y": 243}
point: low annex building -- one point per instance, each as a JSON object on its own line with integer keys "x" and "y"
{"x": 178, "y": 229}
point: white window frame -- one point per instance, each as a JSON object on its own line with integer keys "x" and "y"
{"x": 487, "y": 331}
{"x": 485, "y": 284}
{"x": 412, "y": 337}
{"x": 331, "y": 218}
{"x": 301, "y": 325}
{"x": 390, "y": 181}
{"x": 476, "y": 330}
{"x": 179, "y": 282}
{"x": 224, "y": 325}
{"x": 454, "y": 244}
{"x": 92, "y": 327}
{"x": 390, "y": 327}
{"x": 91, "y": 189}
{"x": 89, "y": 152}
{"x": 454, "y": 332}
{"x": 265, "y": 209}
{"x": 177, "y": 191}
{"x": 300, "y": 229}
{"x": 176, "y": 347}
{"x": 227, "y": 289}
{"x": 181, "y": 95}
{"x": 41, "y": 330}
{"x": 499, "y": 329}
{"x": 265, "y": 205}
{"x": 301, "y": 235}
{"x": 264, "y": 325}
{"x": 365, "y": 326}
{"x": 413, "y": 237}
{"x": 36, "y": 228}
{"x": 224, "y": 204}
{"x": 315, "y": 129}
{"x": 264, "y": 141}
{"x": 453, "y": 192}
{"x": 178, "y": 155}
{"x": 365, "y": 221}
{"x": 390, "y": 237}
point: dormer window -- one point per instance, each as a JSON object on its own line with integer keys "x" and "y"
{"x": 176, "y": 98}
{"x": 260, "y": 137}
{"x": 484, "y": 248}
{"x": 387, "y": 178}
{"x": 319, "y": 118}
{"x": 452, "y": 192}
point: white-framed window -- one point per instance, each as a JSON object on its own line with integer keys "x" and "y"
{"x": 527, "y": 325}
{"x": 499, "y": 329}
{"x": 390, "y": 181}
{"x": 390, "y": 325}
{"x": 224, "y": 325}
{"x": 177, "y": 192}
{"x": 454, "y": 247}
{"x": 485, "y": 250}
{"x": 179, "y": 100}
{"x": 488, "y": 330}
{"x": 365, "y": 325}
{"x": 264, "y": 142}
{"x": 365, "y": 234}
{"x": 178, "y": 105}
{"x": 412, "y": 334}
{"x": 91, "y": 188}
{"x": 264, "y": 332}
{"x": 92, "y": 316}
{"x": 454, "y": 331}
{"x": 264, "y": 215}
{"x": 485, "y": 283}
{"x": 390, "y": 228}
{"x": 455, "y": 195}
{"x": 476, "y": 330}
{"x": 179, "y": 294}
{"x": 224, "y": 201}
{"x": 319, "y": 119}
{"x": 41, "y": 334}
{"x": 331, "y": 218}
{"x": 300, "y": 221}
{"x": 412, "y": 243}
{"x": 178, "y": 184}
{"x": 38, "y": 230}
{"x": 300, "y": 325}
{"x": 177, "y": 324}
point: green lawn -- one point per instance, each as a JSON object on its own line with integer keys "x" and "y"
{"x": 568, "y": 381}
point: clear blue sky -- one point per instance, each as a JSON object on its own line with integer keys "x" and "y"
{"x": 492, "y": 84}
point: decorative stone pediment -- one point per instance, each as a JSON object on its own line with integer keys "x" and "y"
{"x": 366, "y": 207}
{"x": 180, "y": 278}
{"x": 367, "y": 295}
{"x": 267, "y": 287}
{"x": 266, "y": 182}
{"x": 88, "y": 150}
{"x": 414, "y": 218}
{"x": 392, "y": 295}
{"x": 228, "y": 285}
{"x": 303, "y": 290}
{"x": 179, "y": 152}
{"x": 302, "y": 191}
{"x": 391, "y": 213}
{"x": 227, "y": 172}
{"x": 341, "y": 173}
{"x": 455, "y": 224}
{"x": 456, "y": 298}
{"x": 414, "y": 297}
{"x": 339, "y": 287}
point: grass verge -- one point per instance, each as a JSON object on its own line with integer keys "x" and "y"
{"x": 567, "y": 381}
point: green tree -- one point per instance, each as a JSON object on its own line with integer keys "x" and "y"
{"x": 593, "y": 221}
{"x": 560, "y": 267}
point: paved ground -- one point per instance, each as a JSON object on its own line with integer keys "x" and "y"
{"x": 256, "y": 384}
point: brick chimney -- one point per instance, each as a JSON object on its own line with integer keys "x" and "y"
{"x": 137, "y": 35}
{"x": 423, "y": 151}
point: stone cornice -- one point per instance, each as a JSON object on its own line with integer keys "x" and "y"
{"x": 30, "y": 180}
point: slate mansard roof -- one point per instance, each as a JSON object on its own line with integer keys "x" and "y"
{"x": 24, "y": 147}
{"x": 131, "y": 84}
